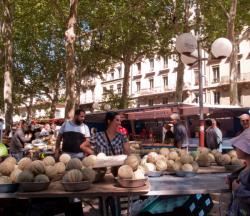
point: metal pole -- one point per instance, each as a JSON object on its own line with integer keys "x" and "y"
{"x": 202, "y": 135}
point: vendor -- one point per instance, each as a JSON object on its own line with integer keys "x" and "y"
{"x": 74, "y": 136}
{"x": 18, "y": 140}
{"x": 110, "y": 141}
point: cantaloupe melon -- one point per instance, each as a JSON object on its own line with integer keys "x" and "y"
{"x": 132, "y": 161}
{"x": 74, "y": 163}
{"x": 149, "y": 167}
{"x": 25, "y": 176}
{"x": 125, "y": 172}
{"x": 204, "y": 160}
{"x": 88, "y": 174}
{"x": 138, "y": 174}
{"x": 236, "y": 161}
{"x": 6, "y": 168}
{"x": 60, "y": 167}
{"x": 37, "y": 167}
{"x": 161, "y": 165}
{"x": 152, "y": 157}
{"x": 173, "y": 155}
{"x": 65, "y": 158}
{"x": 15, "y": 173}
{"x": 224, "y": 159}
{"x": 11, "y": 160}
{"x": 50, "y": 171}
{"x": 187, "y": 167}
{"x": 195, "y": 166}
{"x": 74, "y": 175}
{"x": 89, "y": 161}
{"x": 24, "y": 163}
{"x": 164, "y": 151}
{"x": 41, "y": 178}
{"x": 5, "y": 180}
{"x": 49, "y": 161}
{"x": 186, "y": 158}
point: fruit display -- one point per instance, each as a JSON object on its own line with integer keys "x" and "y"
{"x": 89, "y": 161}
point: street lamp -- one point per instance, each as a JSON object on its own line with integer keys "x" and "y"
{"x": 189, "y": 48}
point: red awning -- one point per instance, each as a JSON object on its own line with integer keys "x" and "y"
{"x": 150, "y": 114}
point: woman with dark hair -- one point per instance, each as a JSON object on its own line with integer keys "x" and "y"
{"x": 110, "y": 141}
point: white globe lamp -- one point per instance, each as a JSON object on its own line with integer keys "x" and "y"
{"x": 190, "y": 59}
{"x": 95, "y": 106}
{"x": 221, "y": 48}
{"x": 186, "y": 43}
{"x": 107, "y": 107}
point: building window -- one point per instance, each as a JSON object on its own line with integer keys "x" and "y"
{"x": 165, "y": 100}
{"x": 196, "y": 77}
{"x": 111, "y": 87}
{"x": 112, "y": 75}
{"x": 104, "y": 89}
{"x": 165, "y": 81}
{"x": 216, "y": 74}
{"x": 119, "y": 88}
{"x": 152, "y": 64}
{"x": 151, "y": 83}
{"x": 150, "y": 102}
{"x": 216, "y": 97}
{"x": 119, "y": 71}
{"x": 238, "y": 65}
{"x": 165, "y": 62}
{"x": 138, "y": 86}
{"x": 239, "y": 96}
{"x": 138, "y": 67}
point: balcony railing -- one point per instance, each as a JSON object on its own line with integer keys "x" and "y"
{"x": 244, "y": 77}
{"x": 224, "y": 79}
{"x": 149, "y": 91}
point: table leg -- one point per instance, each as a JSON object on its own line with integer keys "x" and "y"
{"x": 102, "y": 206}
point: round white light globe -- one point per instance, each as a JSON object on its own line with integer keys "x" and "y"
{"x": 189, "y": 60}
{"x": 186, "y": 43}
{"x": 107, "y": 107}
{"x": 221, "y": 48}
{"x": 95, "y": 106}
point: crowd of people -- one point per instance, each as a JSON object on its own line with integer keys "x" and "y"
{"x": 75, "y": 139}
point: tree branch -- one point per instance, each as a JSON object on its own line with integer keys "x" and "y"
{"x": 223, "y": 9}
{"x": 245, "y": 35}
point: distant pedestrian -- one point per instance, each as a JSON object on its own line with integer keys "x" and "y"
{"x": 244, "y": 121}
{"x": 213, "y": 135}
{"x": 180, "y": 131}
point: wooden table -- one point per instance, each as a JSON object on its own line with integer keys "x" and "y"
{"x": 108, "y": 187}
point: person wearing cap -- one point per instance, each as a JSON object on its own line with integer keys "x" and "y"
{"x": 239, "y": 180}
{"x": 180, "y": 131}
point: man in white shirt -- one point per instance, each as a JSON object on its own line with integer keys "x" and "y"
{"x": 75, "y": 137}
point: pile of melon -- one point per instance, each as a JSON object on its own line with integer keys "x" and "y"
{"x": 131, "y": 168}
{"x": 170, "y": 160}
{"x": 206, "y": 157}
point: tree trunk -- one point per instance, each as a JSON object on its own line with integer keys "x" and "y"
{"x": 53, "y": 106}
{"x": 70, "y": 61}
{"x": 29, "y": 109}
{"x": 179, "y": 81}
{"x": 8, "y": 49}
{"x": 181, "y": 66}
{"x": 234, "y": 56}
{"x": 125, "y": 88}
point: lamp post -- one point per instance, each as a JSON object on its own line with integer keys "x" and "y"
{"x": 189, "y": 48}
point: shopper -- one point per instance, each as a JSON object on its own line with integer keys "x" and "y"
{"x": 180, "y": 132}
{"x": 239, "y": 181}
